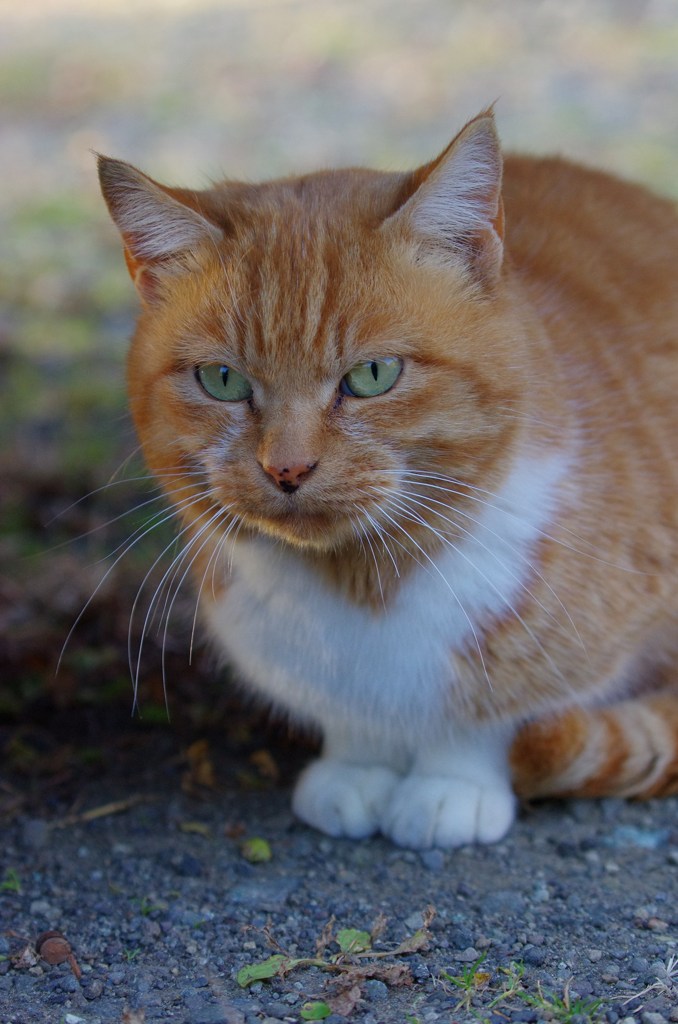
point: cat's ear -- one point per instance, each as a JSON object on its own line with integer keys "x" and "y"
{"x": 455, "y": 213}
{"x": 158, "y": 225}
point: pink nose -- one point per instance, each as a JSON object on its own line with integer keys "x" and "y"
{"x": 288, "y": 478}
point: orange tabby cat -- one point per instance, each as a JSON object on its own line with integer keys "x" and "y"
{"x": 426, "y": 457}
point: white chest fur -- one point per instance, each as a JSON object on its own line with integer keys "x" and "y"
{"x": 329, "y": 661}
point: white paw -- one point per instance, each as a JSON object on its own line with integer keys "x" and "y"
{"x": 431, "y": 810}
{"x": 343, "y": 799}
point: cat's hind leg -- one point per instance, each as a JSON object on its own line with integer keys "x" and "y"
{"x": 344, "y": 792}
{"x": 458, "y": 791}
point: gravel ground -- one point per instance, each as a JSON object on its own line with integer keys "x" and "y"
{"x": 165, "y": 901}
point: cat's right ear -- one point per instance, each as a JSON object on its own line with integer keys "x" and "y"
{"x": 159, "y": 230}
{"x": 455, "y": 212}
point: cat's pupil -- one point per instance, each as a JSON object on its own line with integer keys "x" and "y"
{"x": 224, "y": 375}
{"x": 375, "y": 369}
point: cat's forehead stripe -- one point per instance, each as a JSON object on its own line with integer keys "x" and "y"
{"x": 288, "y": 288}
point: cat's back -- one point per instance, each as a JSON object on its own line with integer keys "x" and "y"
{"x": 597, "y": 257}
{"x": 590, "y": 231}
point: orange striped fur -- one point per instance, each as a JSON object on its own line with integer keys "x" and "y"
{"x": 529, "y": 316}
{"x": 628, "y": 750}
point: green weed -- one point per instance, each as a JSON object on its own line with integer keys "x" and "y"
{"x": 562, "y": 1010}
{"x": 470, "y": 982}
{"x": 11, "y": 881}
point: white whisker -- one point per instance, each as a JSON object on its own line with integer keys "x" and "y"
{"x": 155, "y": 598}
{"x": 427, "y": 502}
{"x": 214, "y": 522}
{"x": 402, "y": 506}
{"x": 364, "y": 538}
{"x": 127, "y": 546}
{"x": 212, "y": 563}
{"x": 515, "y": 513}
{"x": 447, "y": 583}
{"x": 378, "y": 530}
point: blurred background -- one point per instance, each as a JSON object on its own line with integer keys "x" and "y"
{"x": 191, "y": 90}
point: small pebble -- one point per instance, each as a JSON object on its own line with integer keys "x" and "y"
{"x": 35, "y": 833}
{"x": 69, "y": 984}
{"x": 94, "y": 989}
{"x": 41, "y": 908}
{"x": 414, "y": 921}
{"x": 458, "y": 938}
{"x": 376, "y": 991}
{"x": 533, "y": 956}
{"x": 434, "y": 860}
{"x": 503, "y": 902}
{"x": 643, "y": 838}
{"x": 467, "y": 956}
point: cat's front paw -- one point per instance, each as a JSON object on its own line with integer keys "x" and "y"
{"x": 343, "y": 799}
{"x": 439, "y": 811}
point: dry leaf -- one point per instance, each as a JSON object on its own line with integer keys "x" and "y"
{"x": 102, "y": 811}
{"x": 413, "y": 943}
{"x": 379, "y": 927}
{"x": 235, "y": 830}
{"x": 428, "y": 915}
{"x": 200, "y": 772}
{"x": 198, "y": 828}
{"x": 395, "y": 975}
{"x": 346, "y": 1000}
{"x": 25, "y": 959}
{"x": 266, "y": 766}
{"x": 325, "y": 938}
{"x": 133, "y": 1016}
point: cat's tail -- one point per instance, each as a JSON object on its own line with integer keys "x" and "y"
{"x": 627, "y": 749}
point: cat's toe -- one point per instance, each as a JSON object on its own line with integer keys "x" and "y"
{"x": 438, "y": 811}
{"x": 343, "y": 799}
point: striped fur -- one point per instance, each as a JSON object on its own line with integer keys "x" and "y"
{"x": 628, "y": 750}
{"x": 486, "y": 549}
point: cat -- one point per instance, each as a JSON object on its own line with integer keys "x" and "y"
{"x": 421, "y": 431}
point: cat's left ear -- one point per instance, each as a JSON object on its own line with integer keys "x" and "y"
{"x": 455, "y": 213}
{"x": 159, "y": 226}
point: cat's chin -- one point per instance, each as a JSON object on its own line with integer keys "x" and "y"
{"x": 309, "y": 533}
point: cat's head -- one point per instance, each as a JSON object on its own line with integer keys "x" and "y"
{"x": 309, "y": 346}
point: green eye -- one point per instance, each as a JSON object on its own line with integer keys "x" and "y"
{"x": 223, "y": 383}
{"x": 373, "y": 377}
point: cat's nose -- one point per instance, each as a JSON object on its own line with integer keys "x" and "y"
{"x": 288, "y": 478}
